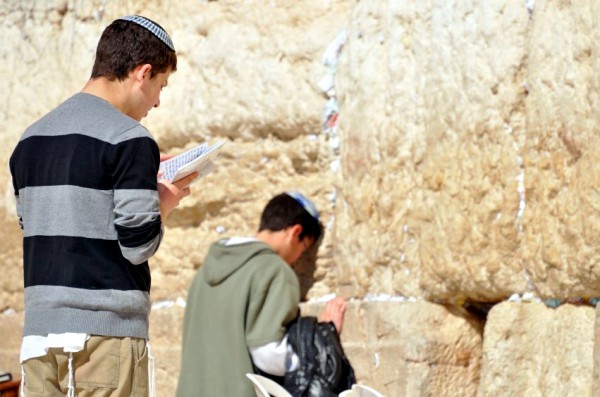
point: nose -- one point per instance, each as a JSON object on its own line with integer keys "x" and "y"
{"x": 157, "y": 104}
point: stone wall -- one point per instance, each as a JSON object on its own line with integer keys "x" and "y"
{"x": 458, "y": 164}
{"x": 532, "y": 350}
{"x": 478, "y": 172}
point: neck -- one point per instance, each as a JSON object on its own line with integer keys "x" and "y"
{"x": 272, "y": 239}
{"x": 114, "y": 92}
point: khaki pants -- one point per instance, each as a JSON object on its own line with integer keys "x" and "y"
{"x": 107, "y": 366}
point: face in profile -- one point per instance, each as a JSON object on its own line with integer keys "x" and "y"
{"x": 149, "y": 93}
{"x": 296, "y": 248}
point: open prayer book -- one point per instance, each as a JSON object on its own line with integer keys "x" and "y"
{"x": 198, "y": 159}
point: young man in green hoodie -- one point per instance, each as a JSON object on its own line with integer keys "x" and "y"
{"x": 243, "y": 297}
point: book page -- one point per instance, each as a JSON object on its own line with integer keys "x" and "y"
{"x": 169, "y": 167}
{"x": 198, "y": 159}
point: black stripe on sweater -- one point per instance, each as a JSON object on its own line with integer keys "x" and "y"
{"x": 132, "y": 237}
{"x": 81, "y": 263}
{"x": 83, "y": 161}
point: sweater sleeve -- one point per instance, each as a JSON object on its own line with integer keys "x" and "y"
{"x": 136, "y": 201}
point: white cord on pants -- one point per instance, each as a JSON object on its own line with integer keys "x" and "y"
{"x": 150, "y": 370}
{"x": 22, "y": 392}
{"x": 71, "y": 387}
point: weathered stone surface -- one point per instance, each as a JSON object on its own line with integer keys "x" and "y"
{"x": 596, "y": 370}
{"x": 11, "y": 330}
{"x": 11, "y": 253}
{"x": 561, "y": 151}
{"x": 431, "y": 117}
{"x": 165, "y": 339}
{"x": 532, "y": 350}
{"x": 469, "y": 150}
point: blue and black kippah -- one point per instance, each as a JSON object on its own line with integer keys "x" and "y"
{"x": 154, "y": 28}
{"x": 305, "y": 203}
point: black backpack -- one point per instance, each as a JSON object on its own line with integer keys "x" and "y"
{"x": 324, "y": 369}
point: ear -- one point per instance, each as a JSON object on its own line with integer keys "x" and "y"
{"x": 296, "y": 230}
{"x": 142, "y": 72}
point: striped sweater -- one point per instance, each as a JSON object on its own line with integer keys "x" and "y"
{"x": 84, "y": 177}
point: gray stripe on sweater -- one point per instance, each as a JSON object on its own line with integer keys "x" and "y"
{"x": 87, "y": 123}
{"x": 134, "y": 207}
{"x": 82, "y": 212}
{"x": 128, "y": 200}
{"x": 67, "y": 211}
{"x": 56, "y": 309}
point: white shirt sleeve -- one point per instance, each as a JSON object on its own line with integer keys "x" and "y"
{"x": 275, "y": 358}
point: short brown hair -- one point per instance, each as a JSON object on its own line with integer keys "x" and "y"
{"x": 124, "y": 45}
{"x": 283, "y": 211}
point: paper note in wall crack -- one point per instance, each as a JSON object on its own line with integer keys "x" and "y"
{"x": 198, "y": 159}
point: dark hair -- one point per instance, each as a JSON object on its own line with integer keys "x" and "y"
{"x": 283, "y": 211}
{"x": 124, "y": 45}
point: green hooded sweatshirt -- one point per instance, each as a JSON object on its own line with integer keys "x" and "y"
{"x": 242, "y": 297}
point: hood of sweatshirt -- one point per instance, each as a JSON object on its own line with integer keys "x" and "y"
{"x": 223, "y": 260}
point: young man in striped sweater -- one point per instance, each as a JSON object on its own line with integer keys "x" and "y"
{"x": 91, "y": 210}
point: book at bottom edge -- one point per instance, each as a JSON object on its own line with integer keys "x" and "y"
{"x": 5, "y": 376}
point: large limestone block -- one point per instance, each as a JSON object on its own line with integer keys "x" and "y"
{"x": 411, "y": 349}
{"x": 561, "y": 244}
{"x": 430, "y": 116}
{"x": 246, "y": 69}
{"x": 532, "y": 350}
{"x": 596, "y": 370}
{"x": 249, "y": 68}
{"x": 469, "y": 150}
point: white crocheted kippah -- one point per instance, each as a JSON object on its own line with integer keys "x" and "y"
{"x": 152, "y": 27}
{"x": 305, "y": 203}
